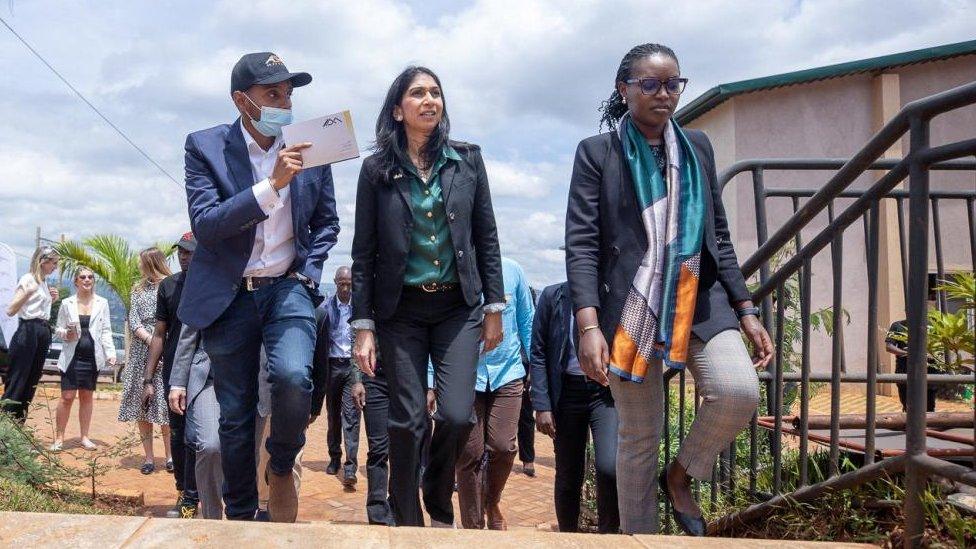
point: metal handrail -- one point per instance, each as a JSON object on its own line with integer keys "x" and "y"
{"x": 913, "y": 120}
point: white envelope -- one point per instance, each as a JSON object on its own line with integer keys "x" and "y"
{"x": 332, "y": 137}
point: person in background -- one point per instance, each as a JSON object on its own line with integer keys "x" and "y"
{"x": 28, "y": 347}
{"x": 142, "y": 322}
{"x": 572, "y": 409}
{"x": 896, "y": 343}
{"x": 166, "y": 335}
{"x": 655, "y": 283}
{"x": 427, "y": 284}
{"x": 85, "y": 326}
{"x": 333, "y": 351}
{"x": 526, "y": 422}
{"x": 371, "y": 395}
{"x": 497, "y": 404}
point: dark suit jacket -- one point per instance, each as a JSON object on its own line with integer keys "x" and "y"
{"x": 550, "y": 346}
{"x": 224, "y": 213}
{"x": 605, "y": 238}
{"x": 324, "y": 318}
{"x": 381, "y": 243}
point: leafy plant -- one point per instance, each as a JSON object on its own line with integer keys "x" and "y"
{"x": 950, "y": 340}
{"x": 108, "y": 256}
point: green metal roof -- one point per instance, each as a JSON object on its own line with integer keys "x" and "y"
{"x": 719, "y": 94}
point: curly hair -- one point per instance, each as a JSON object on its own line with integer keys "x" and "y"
{"x": 614, "y": 108}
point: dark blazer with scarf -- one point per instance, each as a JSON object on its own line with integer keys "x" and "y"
{"x": 384, "y": 222}
{"x": 606, "y": 240}
{"x": 224, "y": 214}
{"x": 550, "y": 346}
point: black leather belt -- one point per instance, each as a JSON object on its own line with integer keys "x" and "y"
{"x": 251, "y": 283}
{"x": 435, "y": 287}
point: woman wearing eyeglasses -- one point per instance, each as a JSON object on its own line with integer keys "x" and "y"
{"x": 85, "y": 327}
{"x": 656, "y": 284}
{"x": 28, "y": 347}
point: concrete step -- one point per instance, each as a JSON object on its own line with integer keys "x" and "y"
{"x": 32, "y": 530}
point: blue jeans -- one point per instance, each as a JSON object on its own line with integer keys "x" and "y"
{"x": 281, "y": 317}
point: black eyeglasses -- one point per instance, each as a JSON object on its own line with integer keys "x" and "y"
{"x": 650, "y": 86}
{"x": 86, "y": 277}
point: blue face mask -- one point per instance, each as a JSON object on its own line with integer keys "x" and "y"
{"x": 272, "y": 119}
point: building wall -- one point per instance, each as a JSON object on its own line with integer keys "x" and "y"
{"x": 835, "y": 118}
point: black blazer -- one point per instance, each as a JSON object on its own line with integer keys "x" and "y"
{"x": 550, "y": 346}
{"x": 605, "y": 238}
{"x": 381, "y": 243}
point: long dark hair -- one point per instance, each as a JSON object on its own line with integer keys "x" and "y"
{"x": 391, "y": 138}
{"x": 614, "y": 108}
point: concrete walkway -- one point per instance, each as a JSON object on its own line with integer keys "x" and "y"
{"x": 105, "y": 532}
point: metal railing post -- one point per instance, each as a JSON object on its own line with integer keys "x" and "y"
{"x": 918, "y": 246}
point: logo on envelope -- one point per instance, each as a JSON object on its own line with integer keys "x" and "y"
{"x": 331, "y": 121}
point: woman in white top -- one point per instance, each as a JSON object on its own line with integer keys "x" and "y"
{"x": 28, "y": 348}
{"x": 85, "y": 326}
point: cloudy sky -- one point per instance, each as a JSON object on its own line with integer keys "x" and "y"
{"x": 523, "y": 78}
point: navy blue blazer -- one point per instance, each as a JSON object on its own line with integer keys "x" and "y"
{"x": 224, "y": 213}
{"x": 550, "y": 346}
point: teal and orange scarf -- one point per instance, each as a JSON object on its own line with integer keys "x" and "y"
{"x": 660, "y": 307}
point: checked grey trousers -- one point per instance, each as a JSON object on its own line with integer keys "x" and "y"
{"x": 729, "y": 390}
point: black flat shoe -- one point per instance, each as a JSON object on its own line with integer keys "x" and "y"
{"x": 147, "y": 468}
{"x": 690, "y": 525}
{"x": 332, "y": 468}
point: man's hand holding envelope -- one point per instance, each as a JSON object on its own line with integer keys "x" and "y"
{"x": 324, "y": 140}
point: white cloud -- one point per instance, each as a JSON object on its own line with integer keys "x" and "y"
{"x": 522, "y": 78}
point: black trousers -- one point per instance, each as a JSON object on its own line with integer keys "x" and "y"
{"x": 585, "y": 408}
{"x": 442, "y": 328}
{"x": 28, "y": 349}
{"x": 526, "y": 427}
{"x": 376, "y": 415}
{"x": 901, "y": 367}
{"x": 343, "y": 415}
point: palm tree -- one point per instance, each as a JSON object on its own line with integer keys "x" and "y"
{"x": 110, "y": 257}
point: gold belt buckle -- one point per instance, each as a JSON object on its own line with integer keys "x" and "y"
{"x": 248, "y": 283}
{"x": 429, "y": 287}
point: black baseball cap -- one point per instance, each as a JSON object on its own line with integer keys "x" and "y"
{"x": 188, "y": 242}
{"x": 263, "y": 68}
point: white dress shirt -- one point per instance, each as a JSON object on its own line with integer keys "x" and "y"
{"x": 274, "y": 246}
{"x": 38, "y": 304}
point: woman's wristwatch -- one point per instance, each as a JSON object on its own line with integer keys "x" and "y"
{"x": 747, "y": 311}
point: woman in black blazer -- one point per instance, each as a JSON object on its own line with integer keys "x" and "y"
{"x": 427, "y": 279}
{"x": 626, "y": 186}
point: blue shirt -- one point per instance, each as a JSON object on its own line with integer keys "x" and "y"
{"x": 572, "y": 361}
{"x": 504, "y": 364}
{"x": 341, "y": 332}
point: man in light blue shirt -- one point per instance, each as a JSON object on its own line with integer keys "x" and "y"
{"x": 498, "y": 400}
{"x": 333, "y": 347}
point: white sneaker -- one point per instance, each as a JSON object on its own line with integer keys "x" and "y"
{"x": 56, "y": 447}
{"x": 439, "y": 524}
{"x": 88, "y": 444}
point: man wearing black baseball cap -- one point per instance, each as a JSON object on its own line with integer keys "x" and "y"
{"x": 163, "y": 346}
{"x": 264, "y": 225}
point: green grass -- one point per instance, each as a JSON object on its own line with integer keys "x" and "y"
{"x": 22, "y": 497}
